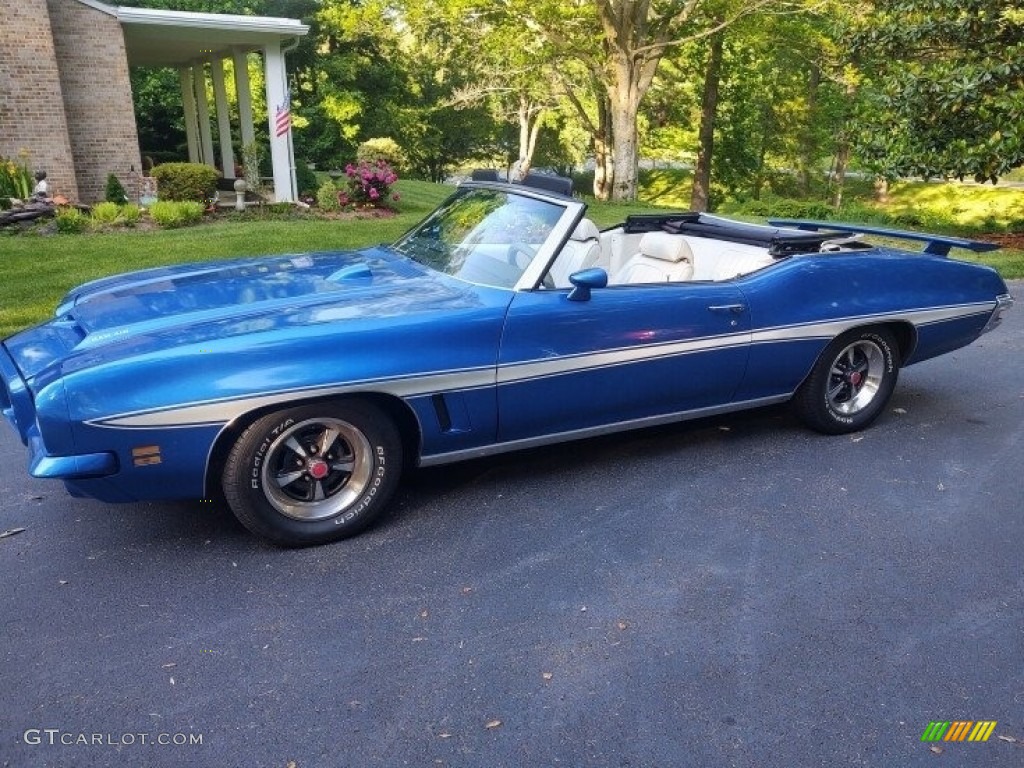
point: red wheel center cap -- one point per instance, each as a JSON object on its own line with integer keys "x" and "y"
{"x": 318, "y": 469}
{"x": 855, "y": 378}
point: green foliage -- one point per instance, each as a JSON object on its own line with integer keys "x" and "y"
{"x": 130, "y": 214}
{"x": 327, "y": 197}
{"x": 71, "y": 221}
{"x": 115, "y": 191}
{"x": 15, "y": 179}
{"x": 951, "y": 207}
{"x": 185, "y": 182}
{"x": 770, "y": 206}
{"x": 305, "y": 179}
{"x": 105, "y": 214}
{"x": 945, "y": 97}
{"x": 170, "y": 214}
{"x": 384, "y": 150}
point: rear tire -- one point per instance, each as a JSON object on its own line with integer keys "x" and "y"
{"x": 850, "y": 383}
{"x": 313, "y": 474}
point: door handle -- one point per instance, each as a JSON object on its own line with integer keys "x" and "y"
{"x": 734, "y": 309}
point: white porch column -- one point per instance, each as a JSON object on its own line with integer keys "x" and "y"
{"x": 244, "y": 91}
{"x": 188, "y": 101}
{"x": 280, "y": 146}
{"x": 220, "y": 95}
{"x": 203, "y": 113}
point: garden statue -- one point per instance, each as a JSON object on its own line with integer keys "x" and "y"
{"x": 41, "y": 191}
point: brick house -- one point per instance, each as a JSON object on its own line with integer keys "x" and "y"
{"x": 65, "y": 93}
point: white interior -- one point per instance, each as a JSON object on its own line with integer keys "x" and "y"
{"x": 654, "y": 257}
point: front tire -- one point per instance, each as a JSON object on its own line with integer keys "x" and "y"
{"x": 851, "y": 382}
{"x": 313, "y": 474}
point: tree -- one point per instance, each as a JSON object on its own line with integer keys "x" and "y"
{"x": 708, "y": 113}
{"x": 945, "y": 88}
{"x": 618, "y": 46}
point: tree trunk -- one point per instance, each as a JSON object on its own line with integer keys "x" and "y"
{"x": 706, "y": 141}
{"x": 767, "y": 135}
{"x": 630, "y": 66}
{"x": 604, "y": 171}
{"x": 839, "y": 174}
{"x": 807, "y": 143}
{"x": 529, "y": 129}
{"x": 626, "y": 154}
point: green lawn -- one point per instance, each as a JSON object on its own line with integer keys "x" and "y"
{"x": 39, "y": 269}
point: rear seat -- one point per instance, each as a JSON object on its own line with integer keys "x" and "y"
{"x": 715, "y": 260}
{"x": 662, "y": 258}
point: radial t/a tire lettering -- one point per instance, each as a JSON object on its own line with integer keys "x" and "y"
{"x": 850, "y": 383}
{"x": 314, "y": 473}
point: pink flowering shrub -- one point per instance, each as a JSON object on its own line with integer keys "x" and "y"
{"x": 368, "y": 184}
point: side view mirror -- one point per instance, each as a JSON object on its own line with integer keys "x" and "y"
{"x": 584, "y": 281}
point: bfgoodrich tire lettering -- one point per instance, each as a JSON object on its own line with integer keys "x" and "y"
{"x": 313, "y": 474}
{"x": 850, "y": 383}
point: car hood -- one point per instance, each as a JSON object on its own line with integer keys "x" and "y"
{"x": 161, "y": 308}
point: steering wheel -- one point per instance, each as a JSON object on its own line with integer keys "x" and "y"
{"x": 519, "y": 248}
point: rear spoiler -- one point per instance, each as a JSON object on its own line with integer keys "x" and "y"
{"x": 937, "y": 245}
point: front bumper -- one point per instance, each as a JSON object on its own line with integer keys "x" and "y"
{"x": 19, "y": 409}
{"x": 15, "y": 399}
{"x": 68, "y": 467}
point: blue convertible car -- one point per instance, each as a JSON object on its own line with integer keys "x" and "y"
{"x": 297, "y": 387}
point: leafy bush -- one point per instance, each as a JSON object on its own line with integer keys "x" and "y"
{"x": 305, "y": 179}
{"x": 185, "y": 181}
{"x": 369, "y": 184}
{"x": 373, "y": 151}
{"x": 327, "y": 197}
{"x": 105, "y": 214}
{"x": 115, "y": 191}
{"x": 71, "y": 221}
{"x": 15, "y": 179}
{"x": 131, "y": 214}
{"x": 783, "y": 208}
{"x": 170, "y": 214}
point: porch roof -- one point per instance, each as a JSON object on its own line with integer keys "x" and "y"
{"x": 157, "y": 38}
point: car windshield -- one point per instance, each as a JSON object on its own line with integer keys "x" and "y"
{"x": 485, "y": 236}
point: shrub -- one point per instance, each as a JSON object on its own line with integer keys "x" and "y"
{"x": 327, "y": 197}
{"x": 387, "y": 150}
{"x": 369, "y": 184}
{"x": 185, "y": 181}
{"x": 15, "y": 179}
{"x": 170, "y": 214}
{"x": 105, "y": 214}
{"x": 131, "y": 214}
{"x": 305, "y": 179}
{"x": 783, "y": 208}
{"x": 71, "y": 221}
{"x": 115, "y": 191}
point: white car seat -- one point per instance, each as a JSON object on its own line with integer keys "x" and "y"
{"x": 715, "y": 260}
{"x": 662, "y": 258}
{"x": 582, "y": 250}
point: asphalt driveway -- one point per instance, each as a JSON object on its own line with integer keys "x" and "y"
{"x": 735, "y": 592}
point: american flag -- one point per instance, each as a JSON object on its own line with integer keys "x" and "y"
{"x": 282, "y": 120}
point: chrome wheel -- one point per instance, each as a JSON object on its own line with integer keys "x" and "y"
{"x": 316, "y": 469}
{"x": 855, "y": 376}
{"x": 850, "y": 383}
